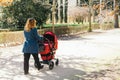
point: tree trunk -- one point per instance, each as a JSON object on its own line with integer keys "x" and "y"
{"x": 56, "y": 14}
{"x": 90, "y": 6}
{"x": 61, "y": 11}
{"x": 100, "y": 6}
{"x": 116, "y": 21}
{"x": 66, "y": 9}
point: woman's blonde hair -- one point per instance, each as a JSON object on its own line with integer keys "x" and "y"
{"x": 31, "y": 23}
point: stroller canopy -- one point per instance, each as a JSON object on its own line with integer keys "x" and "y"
{"x": 50, "y": 36}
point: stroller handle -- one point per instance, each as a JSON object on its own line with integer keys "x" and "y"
{"x": 46, "y": 39}
{"x": 49, "y": 42}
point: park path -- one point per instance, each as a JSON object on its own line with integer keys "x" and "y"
{"x": 92, "y": 56}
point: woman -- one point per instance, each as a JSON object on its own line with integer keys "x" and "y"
{"x": 31, "y": 44}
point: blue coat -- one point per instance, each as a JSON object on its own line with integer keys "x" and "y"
{"x": 31, "y": 41}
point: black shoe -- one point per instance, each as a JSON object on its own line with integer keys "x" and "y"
{"x": 26, "y": 73}
{"x": 41, "y": 67}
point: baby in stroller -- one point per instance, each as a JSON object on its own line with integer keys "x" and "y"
{"x": 50, "y": 45}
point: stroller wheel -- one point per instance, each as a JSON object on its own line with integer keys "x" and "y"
{"x": 57, "y": 62}
{"x": 51, "y": 65}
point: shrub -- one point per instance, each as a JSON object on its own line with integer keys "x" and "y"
{"x": 17, "y": 13}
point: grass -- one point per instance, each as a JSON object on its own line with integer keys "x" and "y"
{"x": 66, "y": 25}
{"x": 60, "y": 25}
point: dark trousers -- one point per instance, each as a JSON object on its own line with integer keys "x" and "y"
{"x": 26, "y": 61}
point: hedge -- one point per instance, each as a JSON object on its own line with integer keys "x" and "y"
{"x": 16, "y": 37}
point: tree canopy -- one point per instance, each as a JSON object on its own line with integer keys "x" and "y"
{"x": 17, "y": 13}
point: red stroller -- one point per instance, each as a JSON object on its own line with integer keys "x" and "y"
{"x": 50, "y": 46}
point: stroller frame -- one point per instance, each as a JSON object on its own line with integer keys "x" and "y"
{"x": 50, "y": 47}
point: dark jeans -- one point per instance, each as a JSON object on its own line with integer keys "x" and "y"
{"x": 26, "y": 61}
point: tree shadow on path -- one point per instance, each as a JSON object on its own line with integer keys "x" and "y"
{"x": 70, "y": 66}
{"x": 79, "y": 36}
{"x": 12, "y": 69}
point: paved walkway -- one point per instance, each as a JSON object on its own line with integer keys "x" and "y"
{"x": 93, "y": 56}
